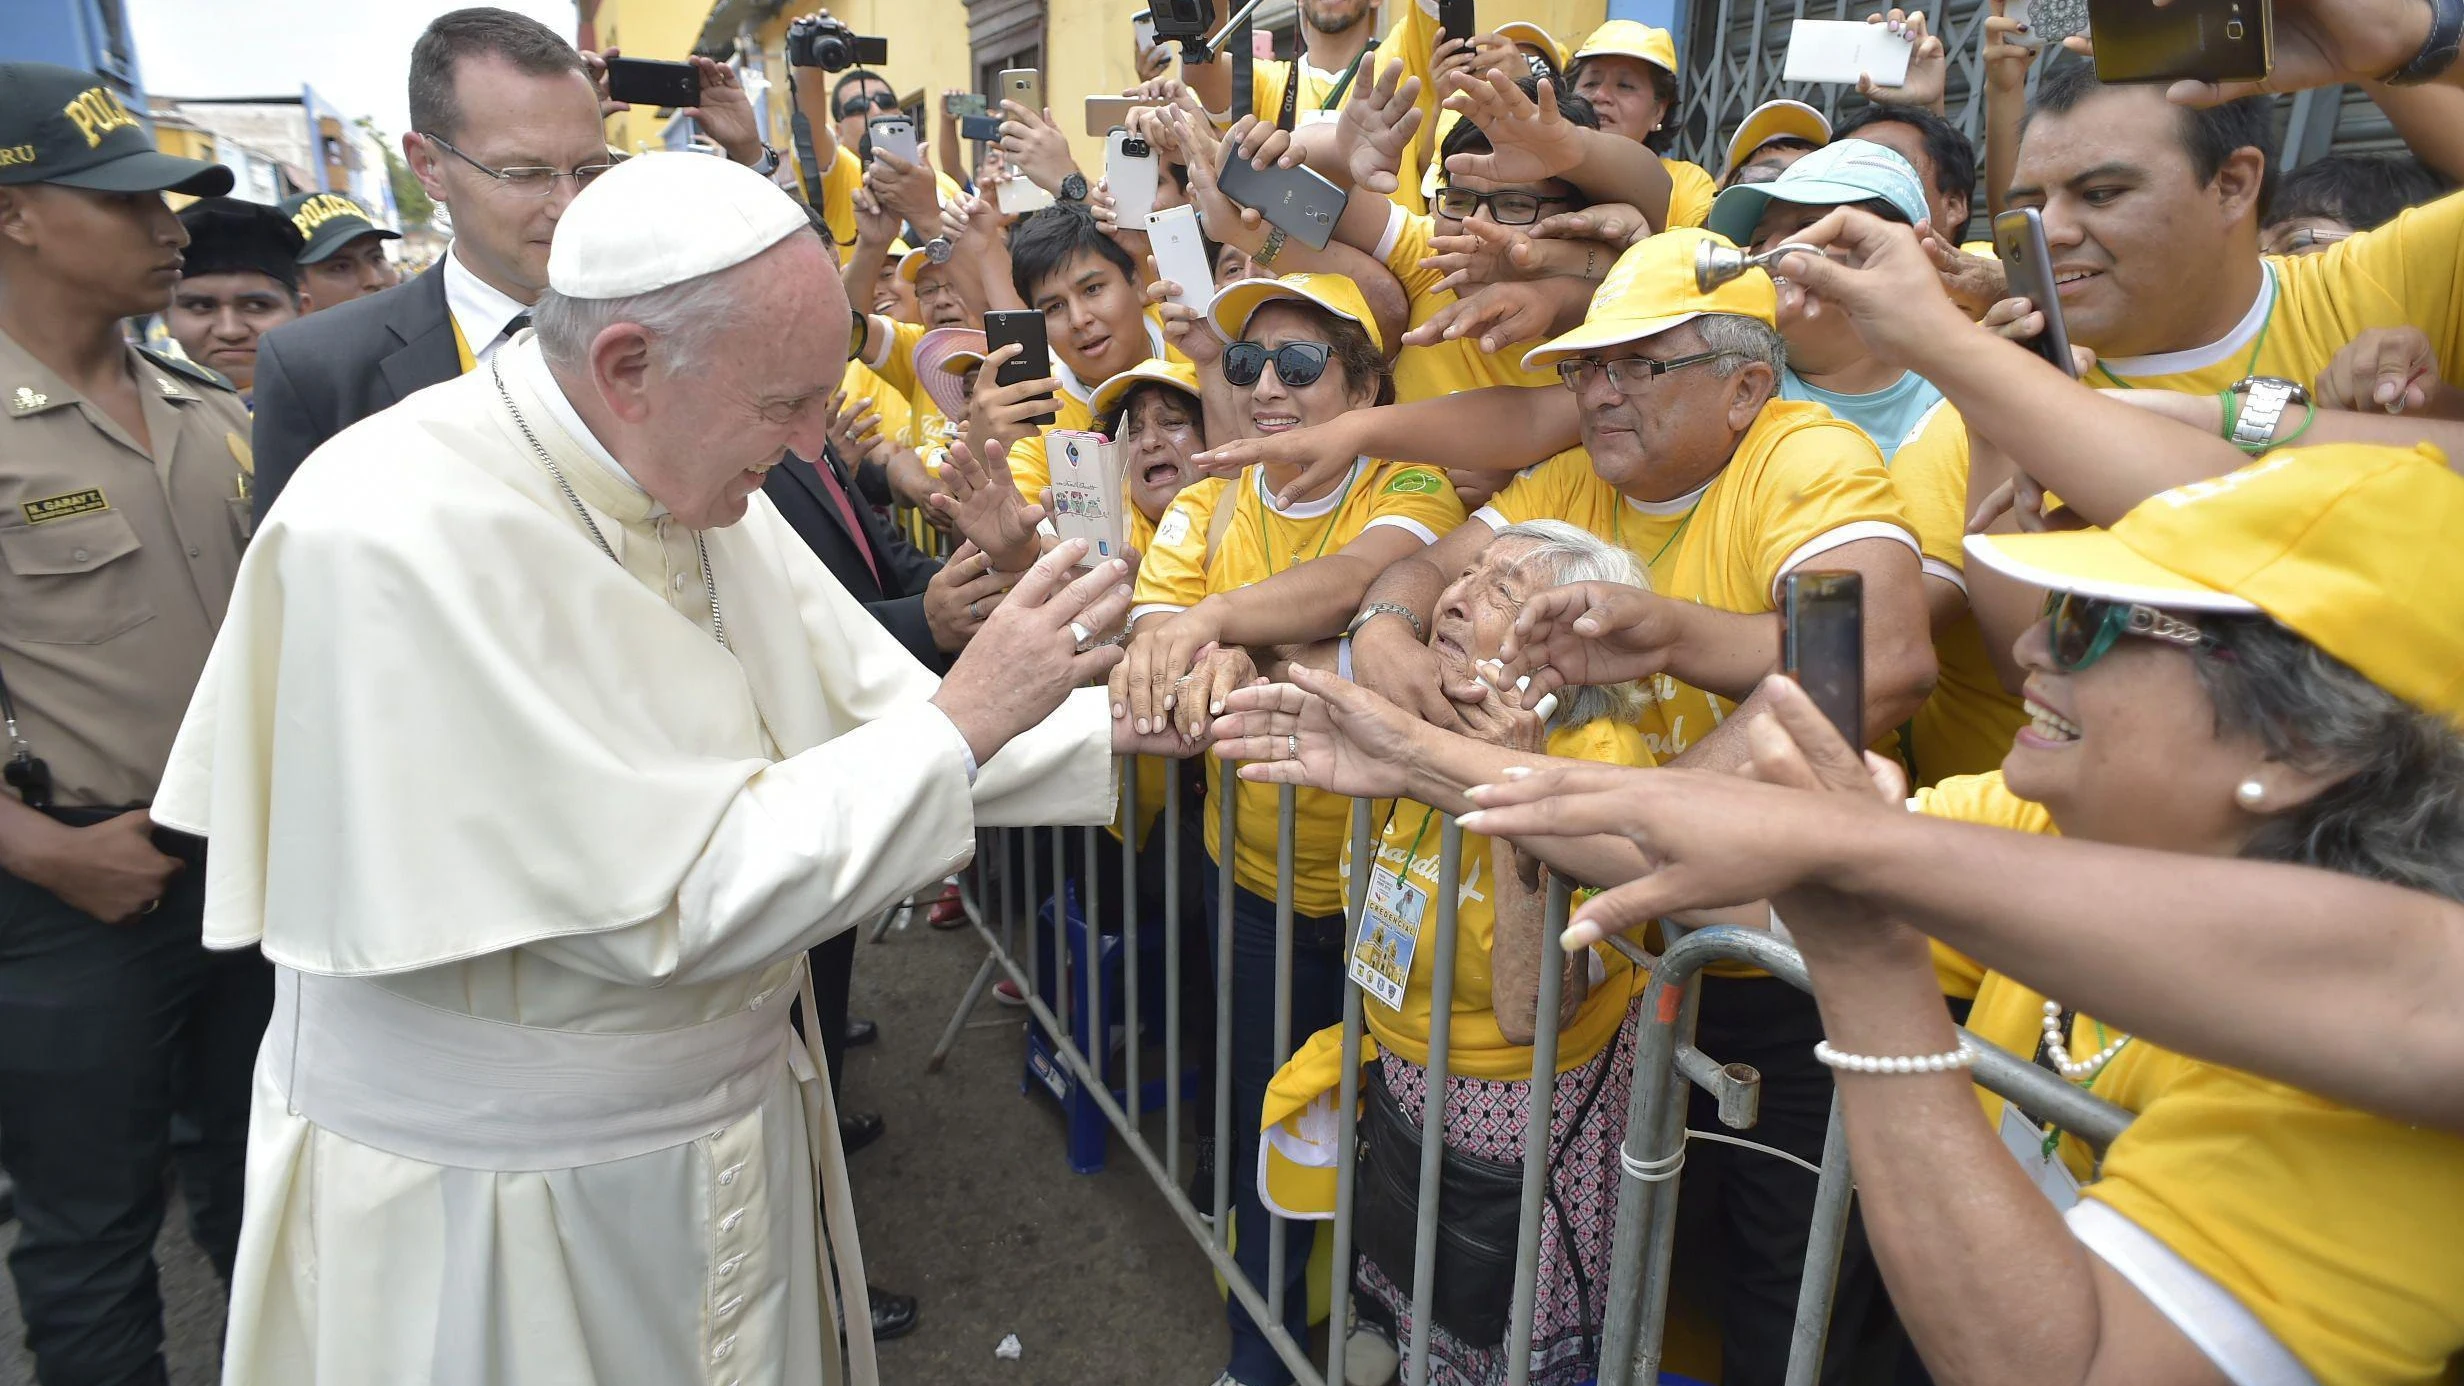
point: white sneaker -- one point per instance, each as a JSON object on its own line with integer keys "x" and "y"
{"x": 1368, "y": 1358}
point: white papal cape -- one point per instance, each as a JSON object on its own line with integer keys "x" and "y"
{"x": 538, "y": 859}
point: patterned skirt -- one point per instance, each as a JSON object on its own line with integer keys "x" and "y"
{"x": 1488, "y": 1119}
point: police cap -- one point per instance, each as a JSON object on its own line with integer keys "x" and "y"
{"x": 60, "y": 125}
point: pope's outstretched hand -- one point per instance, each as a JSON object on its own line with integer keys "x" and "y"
{"x": 1028, "y": 655}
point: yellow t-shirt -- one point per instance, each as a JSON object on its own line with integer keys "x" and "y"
{"x": 1258, "y": 543}
{"x": 894, "y": 362}
{"x": 1433, "y": 372}
{"x": 1966, "y": 724}
{"x": 2337, "y": 1230}
{"x": 1799, "y": 479}
{"x": 1689, "y": 197}
{"x": 838, "y": 196}
{"x": 1411, "y": 40}
{"x": 1479, "y": 1049}
{"x": 897, "y": 418}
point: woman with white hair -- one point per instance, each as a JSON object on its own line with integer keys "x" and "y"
{"x": 1499, "y": 951}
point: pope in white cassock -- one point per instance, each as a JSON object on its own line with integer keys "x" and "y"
{"x": 535, "y": 751}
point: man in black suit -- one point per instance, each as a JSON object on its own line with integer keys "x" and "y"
{"x": 505, "y": 129}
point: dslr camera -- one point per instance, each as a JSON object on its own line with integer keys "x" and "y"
{"x": 1185, "y": 20}
{"x": 828, "y": 44}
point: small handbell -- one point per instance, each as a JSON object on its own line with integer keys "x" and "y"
{"x": 1715, "y": 264}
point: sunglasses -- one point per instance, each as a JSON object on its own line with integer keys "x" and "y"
{"x": 1297, "y": 364}
{"x": 2084, "y": 629}
{"x": 857, "y": 105}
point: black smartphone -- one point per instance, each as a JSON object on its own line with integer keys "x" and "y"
{"x": 1025, "y": 327}
{"x": 1457, "y": 18}
{"x": 1822, "y": 644}
{"x": 649, "y": 82}
{"x": 979, "y": 127}
{"x": 2188, "y": 40}
{"x": 1298, "y": 200}
{"x": 2027, "y": 268}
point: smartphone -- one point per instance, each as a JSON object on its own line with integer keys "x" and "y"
{"x": 1457, "y": 18}
{"x": 893, "y": 134}
{"x": 979, "y": 127}
{"x": 1298, "y": 200}
{"x": 1180, "y": 255}
{"x": 1034, "y": 362}
{"x": 649, "y": 82}
{"x": 2021, "y": 12}
{"x": 963, "y": 103}
{"x": 1025, "y": 86}
{"x": 1105, "y": 112}
{"x": 1822, "y": 644}
{"x": 2188, "y": 40}
{"x": 1142, "y": 26}
{"x": 1018, "y": 195}
{"x": 1838, "y": 51}
{"x": 2027, "y": 266}
{"x": 1087, "y": 490}
{"x": 1129, "y": 166}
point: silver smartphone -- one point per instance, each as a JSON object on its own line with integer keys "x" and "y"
{"x": 1180, "y": 255}
{"x": 2027, "y": 265}
{"x": 1130, "y": 169}
{"x": 893, "y": 134}
{"x": 1023, "y": 85}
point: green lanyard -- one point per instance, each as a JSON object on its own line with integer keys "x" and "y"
{"x": 1411, "y": 854}
{"x": 2249, "y": 368}
{"x": 1266, "y": 549}
{"x": 1617, "y": 531}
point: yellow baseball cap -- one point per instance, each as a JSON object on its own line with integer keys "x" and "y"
{"x": 1650, "y": 290}
{"x": 1179, "y": 375}
{"x": 1777, "y": 120}
{"x": 1631, "y": 38}
{"x": 2351, "y": 547}
{"x": 911, "y": 264}
{"x": 1336, "y": 293}
{"x": 1524, "y": 31}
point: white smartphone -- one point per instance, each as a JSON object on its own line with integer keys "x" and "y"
{"x": 1130, "y": 169}
{"x": 893, "y": 134}
{"x": 1018, "y": 195}
{"x": 1180, "y": 255}
{"x": 1838, "y": 51}
{"x": 1142, "y": 24}
{"x": 1087, "y": 490}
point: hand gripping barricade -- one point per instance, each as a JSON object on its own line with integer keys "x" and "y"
{"x": 1015, "y": 872}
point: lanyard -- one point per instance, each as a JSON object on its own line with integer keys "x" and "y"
{"x": 1617, "y": 532}
{"x": 1266, "y": 549}
{"x": 1411, "y": 854}
{"x": 2249, "y": 368}
{"x": 1334, "y": 94}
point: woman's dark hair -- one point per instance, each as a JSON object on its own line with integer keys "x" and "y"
{"x": 1663, "y": 83}
{"x": 2360, "y": 190}
{"x": 1111, "y": 422}
{"x": 1044, "y": 242}
{"x": 1351, "y": 347}
{"x": 2397, "y": 815}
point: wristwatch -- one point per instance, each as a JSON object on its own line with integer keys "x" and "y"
{"x": 2438, "y": 52}
{"x": 2264, "y": 398}
{"x": 767, "y": 164}
{"x": 1376, "y": 609}
{"x": 938, "y": 250}
{"x": 1074, "y": 187}
{"x": 1273, "y": 247}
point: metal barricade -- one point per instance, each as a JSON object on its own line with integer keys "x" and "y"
{"x": 1004, "y": 886}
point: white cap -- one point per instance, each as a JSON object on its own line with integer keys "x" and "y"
{"x": 657, "y": 220}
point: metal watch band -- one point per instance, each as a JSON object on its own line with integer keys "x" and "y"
{"x": 2438, "y": 52}
{"x": 2264, "y": 399}
{"x": 1273, "y": 247}
{"x": 1376, "y": 609}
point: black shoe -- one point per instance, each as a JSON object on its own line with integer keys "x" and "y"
{"x": 857, "y": 1130}
{"x": 893, "y": 1314}
{"x": 861, "y": 1032}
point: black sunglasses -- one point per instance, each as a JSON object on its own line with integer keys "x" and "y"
{"x": 858, "y": 105}
{"x": 1297, "y": 364}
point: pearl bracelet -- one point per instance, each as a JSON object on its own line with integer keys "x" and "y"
{"x": 1962, "y": 1057}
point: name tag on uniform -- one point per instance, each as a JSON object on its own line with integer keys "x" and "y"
{"x": 2040, "y": 1158}
{"x": 1382, "y": 960}
{"x": 85, "y": 502}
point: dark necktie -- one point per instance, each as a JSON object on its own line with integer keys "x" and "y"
{"x": 515, "y": 328}
{"x": 847, "y": 512}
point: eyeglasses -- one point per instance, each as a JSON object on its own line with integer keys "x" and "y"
{"x": 1297, "y": 364}
{"x": 2302, "y": 238}
{"x": 1505, "y": 208}
{"x": 527, "y": 181}
{"x": 858, "y": 105}
{"x": 2085, "y": 628}
{"x": 1625, "y": 375}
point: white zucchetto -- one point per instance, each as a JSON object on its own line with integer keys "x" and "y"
{"x": 657, "y": 220}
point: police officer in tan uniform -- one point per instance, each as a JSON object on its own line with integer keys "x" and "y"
{"x": 125, "y": 1047}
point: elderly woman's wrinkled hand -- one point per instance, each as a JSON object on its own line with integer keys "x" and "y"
{"x": 1496, "y": 714}
{"x": 1590, "y": 632}
{"x": 1322, "y": 731}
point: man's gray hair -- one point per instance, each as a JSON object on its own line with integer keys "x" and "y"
{"x": 2397, "y": 815}
{"x": 1743, "y": 339}
{"x": 1563, "y": 554}
{"x": 682, "y": 320}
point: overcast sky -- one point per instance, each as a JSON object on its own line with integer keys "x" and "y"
{"x": 356, "y": 53}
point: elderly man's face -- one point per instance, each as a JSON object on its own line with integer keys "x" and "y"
{"x": 761, "y": 390}
{"x": 1665, "y": 435}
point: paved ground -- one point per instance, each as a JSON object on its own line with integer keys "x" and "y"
{"x": 967, "y": 1202}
